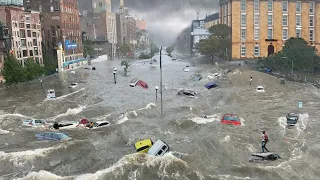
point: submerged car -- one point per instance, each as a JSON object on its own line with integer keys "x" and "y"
{"x": 231, "y": 119}
{"x": 186, "y": 92}
{"x": 73, "y": 85}
{"x": 143, "y": 146}
{"x": 93, "y": 68}
{"x": 34, "y": 123}
{"x": 260, "y": 89}
{"x": 52, "y": 136}
{"x": 65, "y": 125}
{"x": 263, "y": 157}
{"x": 134, "y": 82}
{"x": 211, "y": 85}
{"x": 158, "y": 149}
{"x": 292, "y": 119}
{"x": 51, "y": 94}
{"x": 99, "y": 124}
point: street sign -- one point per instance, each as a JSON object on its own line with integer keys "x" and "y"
{"x": 300, "y": 104}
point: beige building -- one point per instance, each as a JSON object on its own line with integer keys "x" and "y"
{"x": 261, "y": 28}
{"x": 25, "y": 30}
{"x": 127, "y": 26}
{"x": 211, "y": 20}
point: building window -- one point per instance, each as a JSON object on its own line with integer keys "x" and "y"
{"x": 270, "y": 19}
{"x": 256, "y": 4}
{"x": 256, "y": 34}
{"x": 311, "y": 34}
{"x": 28, "y": 33}
{"x": 298, "y": 20}
{"x": 270, "y": 33}
{"x": 284, "y": 6}
{"x": 243, "y": 33}
{"x": 25, "y": 53}
{"x": 298, "y": 33}
{"x": 298, "y": 6}
{"x": 311, "y": 7}
{"x": 284, "y": 20}
{"x": 311, "y": 21}
{"x": 284, "y": 34}
{"x": 31, "y": 52}
{"x": 243, "y": 50}
{"x": 243, "y": 5}
{"x": 270, "y": 5}
{"x": 243, "y": 20}
{"x": 256, "y": 19}
{"x": 256, "y": 50}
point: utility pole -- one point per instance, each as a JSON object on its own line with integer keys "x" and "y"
{"x": 161, "y": 78}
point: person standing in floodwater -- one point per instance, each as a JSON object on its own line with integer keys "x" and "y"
{"x": 250, "y": 81}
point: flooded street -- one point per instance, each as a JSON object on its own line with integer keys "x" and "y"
{"x": 210, "y": 150}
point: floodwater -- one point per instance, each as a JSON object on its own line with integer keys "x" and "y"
{"x": 210, "y": 150}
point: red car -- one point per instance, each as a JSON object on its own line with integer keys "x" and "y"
{"x": 231, "y": 119}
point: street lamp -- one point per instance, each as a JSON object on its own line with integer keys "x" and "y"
{"x": 161, "y": 78}
{"x": 157, "y": 93}
{"x": 291, "y": 64}
{"x": 114, "y": 74}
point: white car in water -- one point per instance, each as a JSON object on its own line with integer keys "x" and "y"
{"x": 260, "y": 89}
{"x": 34, "y": 123}
{"x": 99, "y": 124}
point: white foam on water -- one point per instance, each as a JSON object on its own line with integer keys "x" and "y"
{"x": 70, "y": 111}
{"x": 14, "y": 115}
{"x": 225, "y": 139}
{"x": 210, "y": 118}
{"x": 149, "y": 106}
{"x": 242, "y": 121}
{"x": 283, "y": 124}
{"x": 124, "y": 117}
{"x": 302, "y": 122}
{"x": 4, "y": 131}
{"x": 250, "y": 147}
{"x": 64, "y": 96}
{"x": 42, "y": 175}
{"x": 228, "y": 177}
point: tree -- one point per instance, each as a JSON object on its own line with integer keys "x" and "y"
{"x": 125, "y": 64}
{"x": 218, "y": 43}
{"x": 295, "y": 50}
{"x": 13, "y": 71}
{"x": 50, "y": 63}
{"x": 170, "y": 49}
{"x": 154, "y": 49}
{"x": 125, "y": 49}
{"x": 88, "y": 48}
{"x": 32, "y": 69}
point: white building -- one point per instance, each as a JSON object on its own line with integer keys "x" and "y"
{"x": 198, "y": 32}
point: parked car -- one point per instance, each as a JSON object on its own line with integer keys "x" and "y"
{"x": 143, "y": 146}
{"x": 263, "y": 157}
{"x": 34, "y": 123}
{"x": 52, "y": 136}
{"x": 231, "y": 119}
{"x": 186, "y": 92}
{"x": 158, "y": 149}
{"x": 292, "y": 119}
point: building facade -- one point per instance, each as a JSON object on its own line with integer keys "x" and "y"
{"x": 60, "y": 24}
{"x": 211, "y": 20}
{"x": 261, "y": 27}
{"x": 198, "y": 32}
{"x": 127, "y": 26}
{"x": 141, "y": 24}
{"x": 24, "y": 28}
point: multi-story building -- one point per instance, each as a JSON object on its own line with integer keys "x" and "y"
{"x": 25, "y": 30}
{"x": 87, "y": 25}
{"x": 211, "y": 20}
{"x": 141, "y": 24}
{"x": 198, "y": 32}
{"x": 261, "y": 28}
{"x": 127, "y": 26}
{"x": 60, "y": 24}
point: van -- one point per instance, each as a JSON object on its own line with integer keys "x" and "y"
{"x": 159, "y": 148}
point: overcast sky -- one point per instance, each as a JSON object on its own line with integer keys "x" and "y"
{"x": 167, "y": 18}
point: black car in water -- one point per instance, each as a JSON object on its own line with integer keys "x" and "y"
{"x": 264, "y": 157}
{"x": 292, "y": 119}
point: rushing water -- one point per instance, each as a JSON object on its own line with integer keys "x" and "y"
{"x": 211, "y": 150}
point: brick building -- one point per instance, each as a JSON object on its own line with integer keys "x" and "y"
{"x": 261, "y": 27}
{"x": 24, "y": 28}
{"x": 60, "y": 23}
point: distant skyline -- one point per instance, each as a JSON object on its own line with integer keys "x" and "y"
{"x": 165, "y": 18}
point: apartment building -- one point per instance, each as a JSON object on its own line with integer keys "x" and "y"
{"x": 25, "y": 30}
{"x": 211, "y": 20}
{"x": 60, "y": 24}
{"x": 261, "y": 28}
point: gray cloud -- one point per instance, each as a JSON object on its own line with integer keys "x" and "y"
{"x": 166, "y": 18}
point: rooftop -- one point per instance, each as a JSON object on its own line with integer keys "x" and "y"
{"x": 212, "y": 17}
